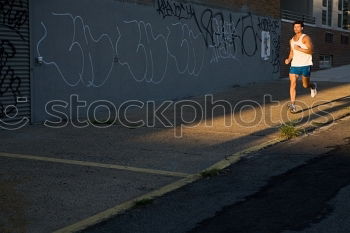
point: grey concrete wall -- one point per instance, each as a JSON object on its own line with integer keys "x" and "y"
{"x": 107, "y": 49}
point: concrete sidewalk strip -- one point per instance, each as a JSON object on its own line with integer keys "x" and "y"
{"x": 336, "y": 74}
{"x": 92, "y": 164}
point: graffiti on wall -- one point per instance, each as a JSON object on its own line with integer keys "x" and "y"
{"x": 143, "y": 51}
{"x": 272, "y": 26}
{"x": 190, "y": 39}
{"x": 175, "y": 9}
{"x": 146, "y": 54}
{"x": 13, "y": 16}
{"x": 226, "y": 34}
{"x": 157, "y": 52}
{"x": 82, "y": 47}
{"x": 230, "y": 36}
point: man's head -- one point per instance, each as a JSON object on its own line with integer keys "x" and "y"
{"x": 298, "y": 26}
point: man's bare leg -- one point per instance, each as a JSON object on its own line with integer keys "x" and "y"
{"x": 293, "y": 84}
{"x": 293, "y": 92}
{"x": 308, "y": 84}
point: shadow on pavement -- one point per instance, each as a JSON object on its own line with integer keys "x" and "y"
{"x": 291, "y": 201}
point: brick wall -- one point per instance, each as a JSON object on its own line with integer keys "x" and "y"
{"x": 257, "y": 7}
{"x": 340, "y": 52}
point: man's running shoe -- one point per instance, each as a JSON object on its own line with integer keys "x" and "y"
{"x": 292, "y": 108}
{"x": 314, "y": 90}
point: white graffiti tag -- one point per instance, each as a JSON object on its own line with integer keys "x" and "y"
{"x": 80, "y": 48}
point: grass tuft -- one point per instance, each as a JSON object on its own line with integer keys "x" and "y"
{"x": 210, "y": 173}
{"x": 288, "y": 130}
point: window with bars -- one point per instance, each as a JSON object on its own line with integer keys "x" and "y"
{"x": 340, "y": 20}
{"x": 327, "y": 11}
{"x": 324, "y": 17}
{"x": 326, "y": 61}
{"x": 344, "y": 39}
{"x": 329, "y": 37}
{"x": 346, "y": 22}
{"x": 330, "y": 8}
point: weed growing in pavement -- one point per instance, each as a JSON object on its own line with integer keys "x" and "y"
{"x": 210, "y": 173}
{"x": 289, "y": 130}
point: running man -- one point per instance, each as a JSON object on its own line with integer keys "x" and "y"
{"x": 300, "y": 55}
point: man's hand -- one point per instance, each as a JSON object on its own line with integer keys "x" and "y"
{"x": 287, "y": 61}
{"x": 297, "y": 47}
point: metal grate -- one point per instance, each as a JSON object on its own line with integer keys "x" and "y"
{"x": 14, "y": 60}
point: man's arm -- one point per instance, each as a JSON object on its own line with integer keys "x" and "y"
{"x": 290, "y": 57}
{"x": 307, "y": 41}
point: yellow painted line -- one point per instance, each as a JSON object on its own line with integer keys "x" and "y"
{"x": 93, "y": 164}
{"x": 85, "y": 223}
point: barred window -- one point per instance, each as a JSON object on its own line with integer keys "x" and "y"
{"x": 329, "y": 37}
{"x": 326, "y": 61}
{"x": 344, "y": 39}
{"x": 340, "y": 20}
{"x": 324, "y": 17}
{"x": 330, "y": 8}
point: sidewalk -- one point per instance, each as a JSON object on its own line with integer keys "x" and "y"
{"x": 337, "y": 74}
{"x": 53, "y": 178}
